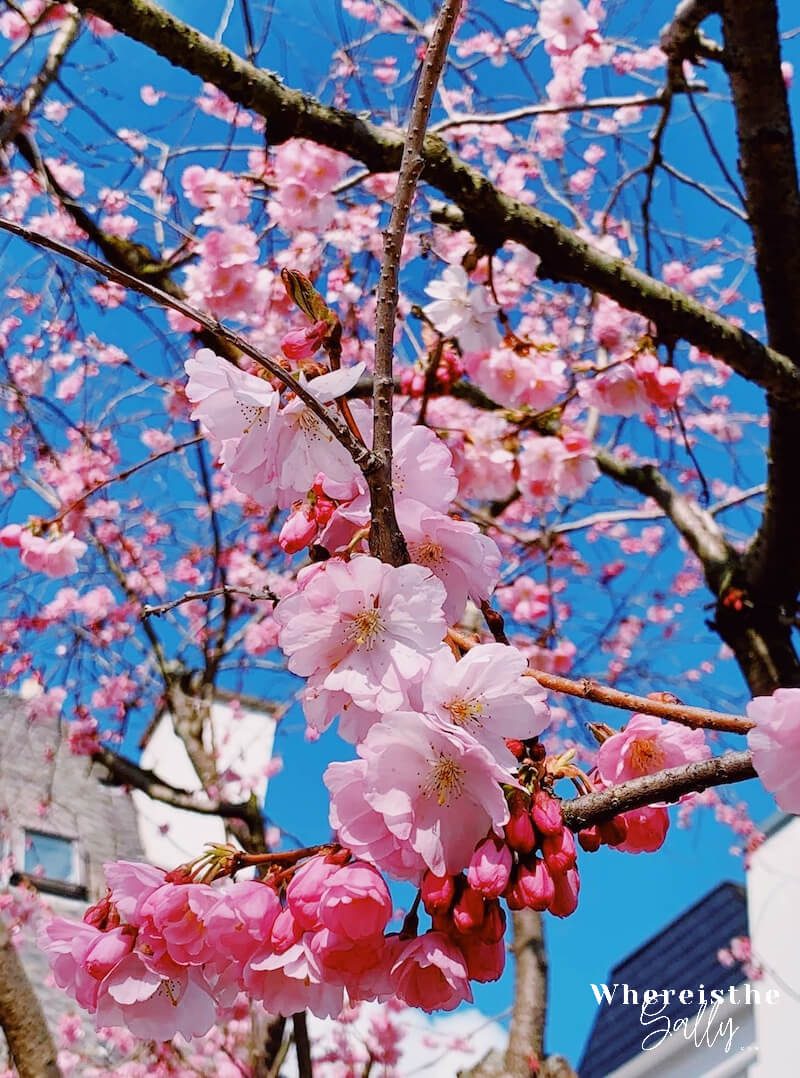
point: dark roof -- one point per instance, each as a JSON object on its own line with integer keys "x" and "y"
{"x": 682, "y": 955}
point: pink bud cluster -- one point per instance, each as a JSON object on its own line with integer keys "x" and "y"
{"x": 306, "y": 519}
{"x": 449, "y": 369}
{"x": 163, "y": 954}
{"x": 545, "y": 873}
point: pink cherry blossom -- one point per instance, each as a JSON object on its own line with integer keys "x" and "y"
{"x": 486, "y": 695}
{"x": 292, "y": 981}
{"x": 367, "y": 628}
{"x": 131, "y": 883}
{"x": 238, "y": 410}
{"x": 565, "y": 24}
{"x": 617, "y": 391}
{"x": 175, "y": 915}
{"x": 775, "y": 744}
{"x": 362, "y": 829}
{"x": 303, "y": 447}
{"x": 646, "y": 745}
{"x": 462, "y": 312}
{"x": 456, "y": 551}
{"x": 55, "y": 557}
{"x": 81, "y": 956}
{"x": 437, "y": 789}
{"x": 355, "y": 902}
{"x": 304, "y": 892}
{"x": 153, "y": 1006}
{"x": 556, "y": 467}
{"x": 430, "y": 973}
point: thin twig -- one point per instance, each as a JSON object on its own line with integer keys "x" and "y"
{"x": 695, "y": 717}
{"x": 15, "y": 118}
{"x": 386, "y": 539}
{"x": 209, "y": 593}
{"x": 360, "y": 454}
{"x": 120, "y": 477}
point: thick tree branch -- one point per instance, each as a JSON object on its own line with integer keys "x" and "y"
{"x": 127, "y": 773}
{"x": 526, "y": 1033}
{"x": 768, "y": 165}
{"x": 668, "y": 785}
{"x": 386, "y": 540}
{"x": 681, "y": 39}
{"x": 491, "y": 216}
{"x": 696, "y": 525}
{"x": 22, "y": 1018}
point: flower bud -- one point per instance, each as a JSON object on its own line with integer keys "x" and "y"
{"x": 535, "y": 885}
{"x": 304, "y": 343}
{"x": 614, "y": 831}
{"x": 589, "y": 839}
{"x": 546, "y": 814}
{"x": 468, "y": 911}
{"x": 567, "y": 886}
{"x": 519, "y": 831}
{"x": 490, "y": 868}
{"x": 298, "y": 530}
{"x": 559, "y": 851}
{"x": 494, "y": 922}
{"x": 438, "y": 893}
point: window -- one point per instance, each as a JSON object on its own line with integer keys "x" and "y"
{"x": 51, "y": 856}
{"x": 50, "y": 863}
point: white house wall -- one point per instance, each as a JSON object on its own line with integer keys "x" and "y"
{"x": 242, "y": 742}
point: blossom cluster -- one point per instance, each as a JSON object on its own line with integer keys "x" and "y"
{"x": 161, "y": 956}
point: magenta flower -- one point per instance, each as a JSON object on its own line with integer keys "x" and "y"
{"x": 646, "y": 745}
{"x": 490, "y": 868}
{"x": 775, "y": 744}
{"x": 365, "y": 628}
{"x": 430, "y": 973}
{"x": 355, "y": 902}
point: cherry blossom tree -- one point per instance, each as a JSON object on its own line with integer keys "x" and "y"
{"x": 461, "y": 383}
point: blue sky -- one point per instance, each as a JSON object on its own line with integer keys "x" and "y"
{"x": 625, "y": 899}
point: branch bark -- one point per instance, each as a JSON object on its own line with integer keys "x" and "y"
{"x": 22, "y": 1018}
{"x": 697, "y": 718}
{"x": 127, "y": 773}
{"x": 386, "y": 540}
{"x": 768, "y": 165}
{"x": 668, "y": 785}
{"x": 492, "y": 217}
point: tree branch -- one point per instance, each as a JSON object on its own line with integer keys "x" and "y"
{"x": 768, "y": 165}
{"x": 15, "y": 118}
{"x": 697, "y": 718}
{"x": 386, "y": 540}
{"x": 360, "y": 454}
{"x": 696, "y": 525}
{"x": 491, "y": 216}
{"x": 22, "y": 1018}
{"x": 668, "y": 785}
{"x": 127, "y": 773}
